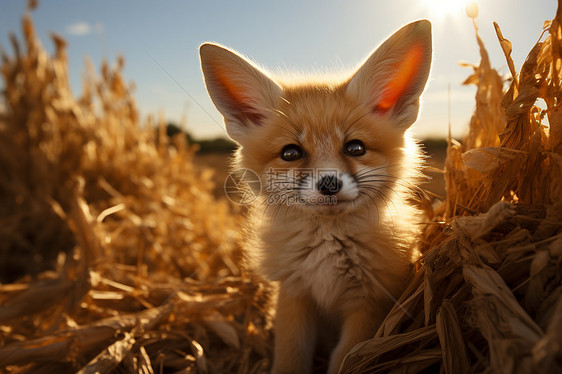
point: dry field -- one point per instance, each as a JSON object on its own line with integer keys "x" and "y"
{"x": 118, "y": 253}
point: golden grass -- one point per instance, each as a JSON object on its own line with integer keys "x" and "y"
{"x": 116, "y": 257}
{"x": 131, "y": 261}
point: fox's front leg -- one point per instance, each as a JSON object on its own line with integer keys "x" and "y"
{"x": 295, "y": 334}
{"x": 359, "y": 324}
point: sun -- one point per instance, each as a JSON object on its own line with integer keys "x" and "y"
{"x": 445, "y": 8}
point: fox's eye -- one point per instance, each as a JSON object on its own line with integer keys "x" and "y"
{"x": 354, "y": 148}
{"x": 291, "y": 152}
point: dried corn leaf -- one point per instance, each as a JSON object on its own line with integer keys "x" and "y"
{"x": 547, "y": 352}
{"x": 509, "y": 330}
{"x": 506, "y": 47}
{"x": 218, "y": 324}
{"x": 455, "y": 358}
{"x": 111, "y": 357}
{"x": 485, "y": 160}
{"x": 367, "y": 354}
{"x": 479, "y": 225}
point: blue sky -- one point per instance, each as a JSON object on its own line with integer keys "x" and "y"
{"x": 161, "y": 38}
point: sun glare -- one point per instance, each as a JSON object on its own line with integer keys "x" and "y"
{"x": 444, "y": 8}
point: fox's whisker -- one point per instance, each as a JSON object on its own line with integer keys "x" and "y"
{"x": 346, "y": 127}
{"x": 297, "y": 130}
{"x": 401, "y": 183}
{"x": 364, "y": 194}
{"x": 367, "y": 169}
{"x": 384, "y": 197}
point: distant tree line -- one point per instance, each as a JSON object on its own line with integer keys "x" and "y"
{"x": 434, "y": 145}
{"x": 224, "y": 145}
{"x": 214, "y": 145}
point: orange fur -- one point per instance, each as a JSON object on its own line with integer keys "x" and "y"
{"x": 340, "y": 254}
{"x": 405, "y": 71}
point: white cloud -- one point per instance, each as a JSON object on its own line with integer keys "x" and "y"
{"x": 84, "y": 28}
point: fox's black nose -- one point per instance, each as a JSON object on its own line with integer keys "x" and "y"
{"x": 329, "y": 184}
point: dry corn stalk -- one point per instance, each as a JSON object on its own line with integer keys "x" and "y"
{"x": 130, "y": 263}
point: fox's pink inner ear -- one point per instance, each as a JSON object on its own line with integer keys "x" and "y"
{"x": 404, "y": 75}
{"x": 235, "y": 96}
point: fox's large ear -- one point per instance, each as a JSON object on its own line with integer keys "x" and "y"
{"x": 392, "y": 79}
{"x": 242, "y": 93}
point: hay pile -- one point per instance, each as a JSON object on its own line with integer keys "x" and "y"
{"x": 114, "y": 253}
{"x": 115, "y": 257}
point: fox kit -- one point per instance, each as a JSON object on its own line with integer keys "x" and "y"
{"x": 333, "y": 225}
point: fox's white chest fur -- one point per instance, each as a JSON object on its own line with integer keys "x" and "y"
{"x": 335, "y": 230}
{"x": 335, "y": 260}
